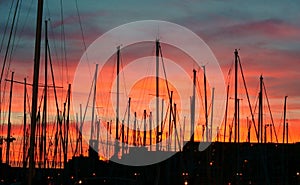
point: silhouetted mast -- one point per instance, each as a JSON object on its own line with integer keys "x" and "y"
{"x": 235, "y": 93}
{"x": 158, "y": 132}
{"x": 24, "y": 126}
{"x": 44, "y": 122}
{"x": 212, "y": 113}
{"x": 117, "y": 106}
{"x": 35, "y": 89}
{"x": 8, "y": 139}
{"x": 128, "y": 120}
{"x": 205, "y": 102}
{"x": 226, "y": 112}
{"x": 284, "y": 120}
{"x": 260, "y": 112}
{"x": 145, "y": 128}
{"x": 193, "y": 107}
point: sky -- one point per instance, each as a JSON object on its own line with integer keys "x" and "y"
{"x": 267, "y": 34}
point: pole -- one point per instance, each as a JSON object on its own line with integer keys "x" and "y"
{"x": 44, "y": 124}
{"x": 193, "y": 104}
{"x": 235, "y": 93}
{"x": 145, "y": 128}
{"x": 35, "y": 90}
{"x": 284, "y": 119}
{"x": 157, "y": 95}
{"x": 8, "y": 140}
{"x": 226, "y": 111}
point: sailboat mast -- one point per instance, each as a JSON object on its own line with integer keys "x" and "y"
{"x": 128, "y": 121}
{"x": 24, "y": 126}
{"x": 260, "y": 112}
{"x": 145, "y": 128}
{"x": 284, "y": 119}
{"x": 67, "y": 126}
{"x": 235, "y": 93}
{"x": 8, "y": 140}
{"x": 118, "y": 99}
{"x": 35, "y": 89}
{"x": 44, "y": 124}
{"x": 193, "y": 104}
{"x": 157, "y": 95}
{"x": 226, "y": 112}
{"x": 93, "y": 110}
{"x": 212, "y": 113}
{"x": 205, "y": 102}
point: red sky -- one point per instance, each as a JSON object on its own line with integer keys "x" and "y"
{"x": 267, "y": 38}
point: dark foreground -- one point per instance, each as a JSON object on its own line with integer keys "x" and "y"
{"x": 219, "y": 164}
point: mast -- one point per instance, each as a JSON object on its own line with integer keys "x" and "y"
{"x": 212, "y": 113}
{"x": 284, "y": 119}
{"x": 117, "y": 106}
{"x": 205, "y": 102}
{"x": 44, "y": 123}
{"x": 260, "y": 111}
{"x": 176, "y": 135}
{"x": 150, "y": 131}
{"x": 24, "y": 126}
{"x": 170, "y": 122}
{"x": 128, "y": 120}
{"x": 8, "y": 139}
{"x": 93, "y": 111}
{"x": 134, "y": 130}
{"x": 193, "y": 107}
{"x": 67, "y": 126}
{"x": 226, "y": 112}
{"x": 35, "y": 89}
{"x": 235, "y": 93}
{"x": 80, "y": 131}
{"x": 158, "y": 132}
{"x": 145, "y": 128}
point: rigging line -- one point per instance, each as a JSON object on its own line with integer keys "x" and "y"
{"x": 273, "y": 126}
{"x": 25, "y": 21}
{"x": 52, "y": 34}
{"x": 9, "y": 40}
{"x": 82, "y": 36}
{"x": 13, "y": 47}
{"x": 6, "y": 25}
{"x": 248, "y": 99}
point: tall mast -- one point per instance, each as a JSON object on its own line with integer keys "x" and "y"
{"x": 35, "y": 89}
{"x": 226, "y": 112}
{"x": 44, "y": 123}
{"x": 67, "y": 126}
{"x": 93, "y": 110}
{"x": 193, "y": 104}
{"x": 260, "y": 111}
{"x": 145, "y": 128}
{"x": 118, "y": 96}
{"x": 235, "y": 93}
{"x": 205, "y": 102}
{"x": 284, "y": 119}
{"x": 176, "y": 135}
{"x": 150, "y": 131}
{"x": 158, "y": 133}
{"x": 170, "y": 122}
{"x": 134, "y": 130}
{"x": 8, "y": 140}
{"x": 24, "y": 126}
{"x": 212, "y": 112}
{"x": 128, "y": 121}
